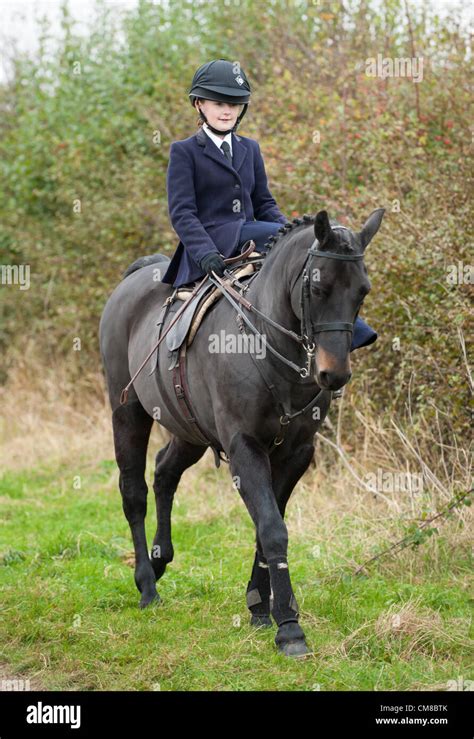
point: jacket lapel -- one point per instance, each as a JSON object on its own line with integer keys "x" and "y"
{"x": 239, "y": 150}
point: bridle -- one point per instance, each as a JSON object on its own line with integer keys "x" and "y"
{"x": 308, "y": 328}
{"x": 307, "y": 337}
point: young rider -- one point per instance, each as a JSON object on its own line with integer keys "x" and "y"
{"x": 218, "y": 195}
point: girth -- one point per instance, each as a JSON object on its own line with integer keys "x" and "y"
{"x": 181, "y": 389}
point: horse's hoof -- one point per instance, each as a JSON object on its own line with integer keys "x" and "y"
{"x": 296, "y": 648}
{"x": 261, "y": 621}
{"x": 290, "y": 640}
{"x": 150, "y": 600}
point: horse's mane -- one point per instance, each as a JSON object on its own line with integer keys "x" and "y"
{"x": 299, "y": 224}
{"x": 296, "y": 223}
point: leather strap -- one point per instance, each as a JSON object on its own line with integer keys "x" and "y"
{"x": 333, "y": 326}
{"x": 332, "y": 255}
{"x": 160, "y": 322}
{"x": 182, "y": 395}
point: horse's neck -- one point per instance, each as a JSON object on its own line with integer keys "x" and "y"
{"x": 271, "y": 294}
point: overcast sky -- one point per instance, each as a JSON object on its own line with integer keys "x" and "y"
{"x": 18, "y": 19}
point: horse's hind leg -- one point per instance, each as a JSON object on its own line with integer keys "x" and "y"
{"x": 171, "y": 462}
{"x": 132, "y": 426}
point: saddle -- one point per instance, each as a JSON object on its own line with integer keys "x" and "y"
{"x": 187, "y": 326}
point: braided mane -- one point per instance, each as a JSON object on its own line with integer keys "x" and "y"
{"x": 294, "y": 224}
{"x": 304, "y": 222}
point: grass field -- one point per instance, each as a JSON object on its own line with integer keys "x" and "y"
{"x": 70, "y": 617}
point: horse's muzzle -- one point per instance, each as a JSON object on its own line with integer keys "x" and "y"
{"x": 332, "y": 380}
{"x": 332, "y": 372}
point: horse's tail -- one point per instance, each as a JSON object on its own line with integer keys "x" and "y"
{"x": 144, "y": 262}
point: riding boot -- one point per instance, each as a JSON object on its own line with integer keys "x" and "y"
{"x": 363, "y": 334}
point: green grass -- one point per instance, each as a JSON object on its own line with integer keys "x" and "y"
{"x": 70, "y": 617}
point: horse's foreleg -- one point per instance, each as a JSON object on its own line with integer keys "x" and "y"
{"x": 132, "y": 426}
{"x": 171, "y": 461}
{"x": 251, "y": 470}
{"x": 287, "y": 471}
{"x": 285, "y": 474}
{"x": 258, "y": 590}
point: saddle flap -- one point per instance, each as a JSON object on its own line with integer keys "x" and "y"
{"x": 177, "y": 334}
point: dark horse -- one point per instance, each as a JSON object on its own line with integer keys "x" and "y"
{"x": 262, "y": 411}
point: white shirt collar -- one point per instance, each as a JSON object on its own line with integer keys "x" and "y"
{"x": 218, "y": 141}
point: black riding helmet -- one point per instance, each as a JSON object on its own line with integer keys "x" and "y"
{"x": 224, "y": 82}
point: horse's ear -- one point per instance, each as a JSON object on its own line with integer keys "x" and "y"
{"x": 371, "y": 226}
{"x": 322, "y": 227}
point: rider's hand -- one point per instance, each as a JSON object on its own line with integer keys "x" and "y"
{"x": 213, "y": 262}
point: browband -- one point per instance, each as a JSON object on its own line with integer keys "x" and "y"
{"x": 333, "y": 255}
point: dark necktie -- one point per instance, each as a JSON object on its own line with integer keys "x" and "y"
{"x": 226, "y": 149}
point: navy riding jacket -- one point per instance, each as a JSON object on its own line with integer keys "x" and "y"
{"x": 209, "y": 199}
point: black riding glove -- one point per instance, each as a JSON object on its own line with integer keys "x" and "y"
{"x": 213, "y": 262}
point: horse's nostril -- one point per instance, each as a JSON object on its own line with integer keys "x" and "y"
{"x": 333, "y": 380}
